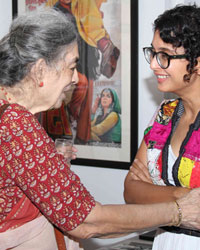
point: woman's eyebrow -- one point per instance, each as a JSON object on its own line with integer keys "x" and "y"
{"x": 74, "y": 60}
{"x": 164, "y": 49}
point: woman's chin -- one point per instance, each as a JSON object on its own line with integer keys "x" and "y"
{"x": 58, "y": 104}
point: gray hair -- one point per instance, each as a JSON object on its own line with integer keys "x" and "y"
{"x": 32, "y": 36}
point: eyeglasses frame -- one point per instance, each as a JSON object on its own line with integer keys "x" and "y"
{"x": 168, "y": 56}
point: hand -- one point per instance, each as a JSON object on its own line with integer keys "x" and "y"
{"x": 74, "y": 151}
{"x": 65, "y": 147}
{"x": 72, "y": 156}
{"x": 139, "y": 172}
{"x": 190, "y": 207}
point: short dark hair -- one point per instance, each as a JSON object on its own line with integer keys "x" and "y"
{"x": 39, "y": 34}
{"x": 180, "y": 26}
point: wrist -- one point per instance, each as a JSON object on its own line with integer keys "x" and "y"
{"x": 179, "y": 192}
{"x": 177, "y": 215}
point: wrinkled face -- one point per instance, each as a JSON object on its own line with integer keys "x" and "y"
{"x": 59, "y": 81}
{"x": 170, "y": 79}
{"x": 106, "y": 99}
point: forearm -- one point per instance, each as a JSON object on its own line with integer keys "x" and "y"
{"x": 140, "y": 192}
{"x": 116, "y": 220}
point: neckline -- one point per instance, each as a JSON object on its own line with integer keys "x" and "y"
{"x": 172, "y": 152}
{"x": 175, "y": 119}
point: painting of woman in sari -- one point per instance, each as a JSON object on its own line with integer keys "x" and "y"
{"x": 106, "y": 121}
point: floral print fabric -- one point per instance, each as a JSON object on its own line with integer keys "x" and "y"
{"x": 31, "y": 167}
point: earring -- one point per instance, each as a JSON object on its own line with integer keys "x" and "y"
{"x": 41, "y": 84}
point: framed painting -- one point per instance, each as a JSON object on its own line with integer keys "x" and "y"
{"x": 101, "y": 112}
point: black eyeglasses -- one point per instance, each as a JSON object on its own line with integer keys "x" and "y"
{"x": 162, "y": 58}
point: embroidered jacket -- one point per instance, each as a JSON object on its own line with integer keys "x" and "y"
{"x": 186, "y": 169}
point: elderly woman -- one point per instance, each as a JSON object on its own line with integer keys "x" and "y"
{"x": 38, "y": 59}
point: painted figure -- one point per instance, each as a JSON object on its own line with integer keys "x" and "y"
{"x": 98, "y": 56}
{"x": 106, "y": 122}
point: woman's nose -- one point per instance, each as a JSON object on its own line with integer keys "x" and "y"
{"x": 154, "y": 63}
{"x": 75, "y": 77}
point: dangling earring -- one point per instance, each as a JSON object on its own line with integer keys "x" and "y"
{"x": 41, "y": 84}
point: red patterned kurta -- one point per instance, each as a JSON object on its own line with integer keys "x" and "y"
{"x": 31, "y": 167}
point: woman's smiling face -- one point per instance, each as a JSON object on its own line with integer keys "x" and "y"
{"x": 170, "y": 79}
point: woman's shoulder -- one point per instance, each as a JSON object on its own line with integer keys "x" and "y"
{"x": 166, "y": 106}
{"x": 160, "y": 124}
{"x": 14, "y": 107}
{"x": 169, "y": 102}
{"x": 163, "y": 115}
{"x": 17, "y": 120}
{"x": 15, "y": 113}
{"x": 166, "y": 110}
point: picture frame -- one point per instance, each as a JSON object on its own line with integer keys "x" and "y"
{"x": 113, "y": 156}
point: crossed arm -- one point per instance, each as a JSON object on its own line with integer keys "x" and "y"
{"x": 139, "y": 188}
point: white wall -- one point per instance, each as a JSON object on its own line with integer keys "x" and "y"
{"x": 149, "y": 97}
{"x": 5, "y": 16}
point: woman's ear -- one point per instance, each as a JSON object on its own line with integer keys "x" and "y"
{"x": 39, "y": 70}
